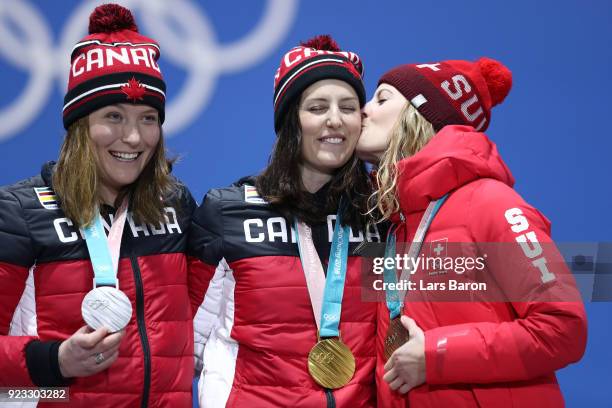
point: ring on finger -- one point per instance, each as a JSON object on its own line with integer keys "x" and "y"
{"x": 99, "y": 358}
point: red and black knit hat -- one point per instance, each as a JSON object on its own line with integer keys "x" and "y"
{"x": 453, "y": 92}
{"x": 113, "y": 64}
{"x": 314, "y": 60}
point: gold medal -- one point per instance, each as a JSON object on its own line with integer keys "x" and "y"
{"x": 331, "y": 363}
{"x": 396, "y": 336}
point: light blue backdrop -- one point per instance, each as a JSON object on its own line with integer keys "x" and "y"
{"x": 219, "y": 59}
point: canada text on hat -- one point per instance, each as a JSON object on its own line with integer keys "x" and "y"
{"x": 112, "y": 55}
{"x": 300, "y": 53}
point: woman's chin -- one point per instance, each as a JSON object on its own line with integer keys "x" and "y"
{"x": 332, "y": 162}
{"x": 368, "y": 156}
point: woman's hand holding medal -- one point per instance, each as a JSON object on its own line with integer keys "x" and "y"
{"x": 88, "y": 352}
{"x": 405, "y": 369}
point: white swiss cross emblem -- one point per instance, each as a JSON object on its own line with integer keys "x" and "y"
{"x": 438, "y": 248}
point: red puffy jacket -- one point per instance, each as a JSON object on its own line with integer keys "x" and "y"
{"x": 255, "y": 323}
{"x": 40, "y": 245}
{"x": 484, "y": 352}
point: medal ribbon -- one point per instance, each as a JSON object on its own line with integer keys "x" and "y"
{"x": 325, "y": 292}
{"x": 395, "y": 297}
{"x": 103, "y": 251}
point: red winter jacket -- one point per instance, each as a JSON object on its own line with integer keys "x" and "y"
{"x": 483, "y": 352}
{"x": 38, "y": 244}
{"x": 255, "y": 323}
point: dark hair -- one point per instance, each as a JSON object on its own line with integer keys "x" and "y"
{"x": 281, "y": 183}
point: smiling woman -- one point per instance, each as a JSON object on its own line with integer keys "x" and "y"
{"x": 112, "y": 315}
{"x": 280, "y": 319}
{"x": 111, "y": 148}
{"x": 318, "y": 91}
{"x": 331, "y": 120}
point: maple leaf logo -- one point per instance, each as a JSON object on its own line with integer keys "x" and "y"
{"x": 133, "y": 90}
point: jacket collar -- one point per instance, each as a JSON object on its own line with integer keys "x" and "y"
{"x": 46, "y": 172}
{"x": 455, "y": 156}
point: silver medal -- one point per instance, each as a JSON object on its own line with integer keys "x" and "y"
{"x": 108, "y": 307}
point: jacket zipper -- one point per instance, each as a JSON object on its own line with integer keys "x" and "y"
{"x": 142, "y": 331}
{"x": 331, "y": 401}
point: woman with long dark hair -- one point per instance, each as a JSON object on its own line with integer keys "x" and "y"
{"x": 109, "y": 317}
{"x": 291, "y": 328}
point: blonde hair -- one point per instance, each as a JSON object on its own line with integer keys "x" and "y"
{"x": 410, "y": 133}
{"x": 76, "y": 180}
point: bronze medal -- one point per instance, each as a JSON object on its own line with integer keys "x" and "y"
{"x": 396, "y": 336}
{"x": 331, "y": 363}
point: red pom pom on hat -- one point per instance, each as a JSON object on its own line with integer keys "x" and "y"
{"x": 498, "y": 78}
{"x": 322, "y": 42}
{"x": 109, "y": 18}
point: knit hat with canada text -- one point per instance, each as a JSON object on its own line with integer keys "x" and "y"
{"x": 314, "y": 60}
{"x": 113, "y": 64}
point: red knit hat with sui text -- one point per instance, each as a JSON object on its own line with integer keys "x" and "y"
{"x": 453, "y": 92}
{"x": 314, "y": 60}
{"x": 113, "y": 64}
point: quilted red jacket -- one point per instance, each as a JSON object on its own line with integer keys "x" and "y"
{"x": 482, "y": 351}
{"x": 255, "y": 323}
{"x": 38, "y": 244}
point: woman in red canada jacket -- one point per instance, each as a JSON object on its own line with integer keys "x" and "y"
{"x": 111, "y": 167}
{"x": 257, "y": 326}
{"x": 469, "y": 345}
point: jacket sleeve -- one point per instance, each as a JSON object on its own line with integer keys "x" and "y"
{"x": 16, "y": 258}
{"x": 206, "y": 269}
{"x": 548, "y": 328}
{"x": 189, "y": 203}
{"x": 207, "y": 316}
